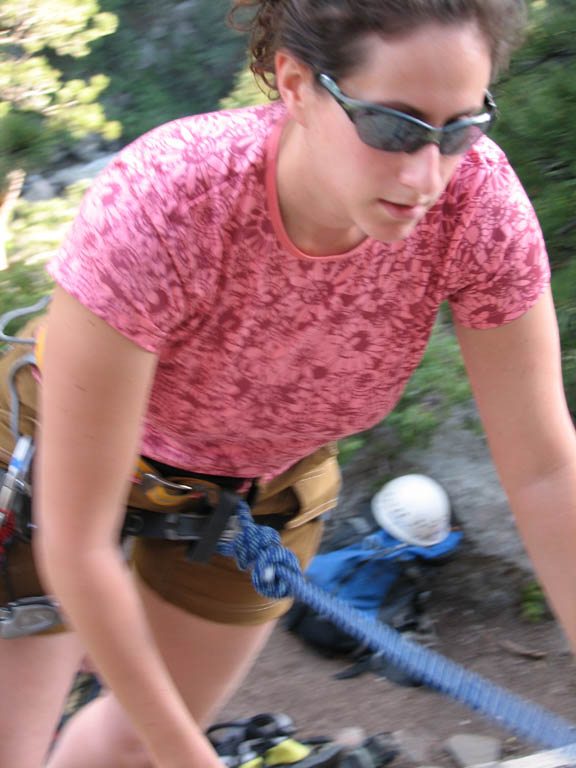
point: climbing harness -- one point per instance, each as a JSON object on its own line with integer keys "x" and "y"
{"x": 276, "y": 574}
{"x": 269, "y": 740}
{"x": 210, "y": 520}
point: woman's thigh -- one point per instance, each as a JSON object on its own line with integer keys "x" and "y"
{"x": 36, "y": 674}
{"x": 207, "y": 660}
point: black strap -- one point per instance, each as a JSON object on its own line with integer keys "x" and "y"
{"x": 224, "y": 481}
{"x": 181, "y": 526}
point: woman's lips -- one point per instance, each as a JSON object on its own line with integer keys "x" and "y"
{"x": 405, "y": 212}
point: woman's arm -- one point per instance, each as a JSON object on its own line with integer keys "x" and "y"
{"x": 515, "y": 373}
{"x": 95, "y": 390}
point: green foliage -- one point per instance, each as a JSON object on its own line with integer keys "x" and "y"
{"x": 246, "y": 92}
{"x": 539, "y": 136}
{"x": 437, "y": 385}
{"x": 564, "y": 289}
{"x": 533, "y": 605}
{"x": 163, "y": 66}
{"x": 66, "y": 26}
{"x": 538, "y": 125}
{"x": 35, "y": 235}
{"x": 40, "y": 109}
{"x": 349, "y": 446}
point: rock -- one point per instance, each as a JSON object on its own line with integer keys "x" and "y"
{"x": 87, "y": 148}
{"x": 183, "y": 34}
{"x": 184, "y": 10}
{"x": 147, "y": 55}
{"x": 428, "y": 766}
{"x": 468, "y": 749}
{"x": 39, "y": 189}
{"x": 416, "y": 747}
{"x": 159, "y": 29}
{"x": 350, "y": 737}
{"x": 68, "y": 176}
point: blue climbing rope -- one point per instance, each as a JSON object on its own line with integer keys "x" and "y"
{"x": 276, "y": 574}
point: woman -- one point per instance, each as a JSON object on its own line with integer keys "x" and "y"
{"x": 240, "y": 289}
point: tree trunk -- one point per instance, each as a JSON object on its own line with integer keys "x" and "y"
{"x": 9, "y": 194}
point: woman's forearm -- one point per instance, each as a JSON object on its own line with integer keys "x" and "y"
{"x": 545, "y": 512}
{"x": 95, "y": 589}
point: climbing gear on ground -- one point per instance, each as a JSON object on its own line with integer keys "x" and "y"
{"x": 375, "y": 751}
{"x": 276, "y": 574}
{"x": 15, "y": 314}
{"x": 268, "y": 740}
{"x": 414, "y": 509}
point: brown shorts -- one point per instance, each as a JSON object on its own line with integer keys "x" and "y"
{"x": 218, "y": 590}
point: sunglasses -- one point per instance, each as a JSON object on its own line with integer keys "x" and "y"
{"x": 393, "y": 131}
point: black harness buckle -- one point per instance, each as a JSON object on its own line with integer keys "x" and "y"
{"x": 202, "y": 529}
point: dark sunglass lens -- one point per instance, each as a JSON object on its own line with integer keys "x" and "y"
{"x": 459, "y": 141}
{"x": 387, "y": 132}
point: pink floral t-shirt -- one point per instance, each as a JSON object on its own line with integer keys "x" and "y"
{"x": 266, "y": 353}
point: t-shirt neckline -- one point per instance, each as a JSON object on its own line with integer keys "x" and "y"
{"x": 274, "y": 204}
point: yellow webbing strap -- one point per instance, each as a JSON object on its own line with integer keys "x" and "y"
{"x": 40, "y": 345}
{"x": 172, "y": 497}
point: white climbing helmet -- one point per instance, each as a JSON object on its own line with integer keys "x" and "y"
{"x": 414, "y": 509}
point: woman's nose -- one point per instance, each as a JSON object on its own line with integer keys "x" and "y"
{"x": 421, "y": 171}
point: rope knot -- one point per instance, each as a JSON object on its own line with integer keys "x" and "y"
{"x": 259, "y": 549}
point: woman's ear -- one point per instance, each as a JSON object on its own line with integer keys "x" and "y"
{"x": 295, "y": 85}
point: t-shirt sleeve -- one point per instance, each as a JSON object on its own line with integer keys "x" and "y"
{"x": 501, "y": 268}
{"x": 114, "y": 259}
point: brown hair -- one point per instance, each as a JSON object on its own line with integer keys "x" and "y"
{"x": 327, "y": 34}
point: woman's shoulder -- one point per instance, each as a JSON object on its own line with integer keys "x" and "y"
{"x": 486, "y": 192}
{"x": 484, "y": 169}
{"x": 202, "y": 149}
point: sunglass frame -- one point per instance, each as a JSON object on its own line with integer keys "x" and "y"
{"x": 430, "y": 133}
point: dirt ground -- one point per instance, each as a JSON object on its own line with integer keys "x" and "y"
{"x": 474, "y": 609}
{"x": 475, "y": 614}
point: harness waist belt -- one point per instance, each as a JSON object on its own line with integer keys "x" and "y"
{"x": 182, "y": 526}
{"x": 174, "y": 526}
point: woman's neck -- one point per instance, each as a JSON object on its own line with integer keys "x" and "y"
{"x": 309, "y": 211}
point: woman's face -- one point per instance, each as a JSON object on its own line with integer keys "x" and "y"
{"x": 437, "y": 74}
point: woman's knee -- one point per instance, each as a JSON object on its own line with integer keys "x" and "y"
{"x": 100, "y": 735}
{"x": 36, "y": 674}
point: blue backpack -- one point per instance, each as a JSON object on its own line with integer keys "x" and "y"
{"x": 379, "y": 575}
